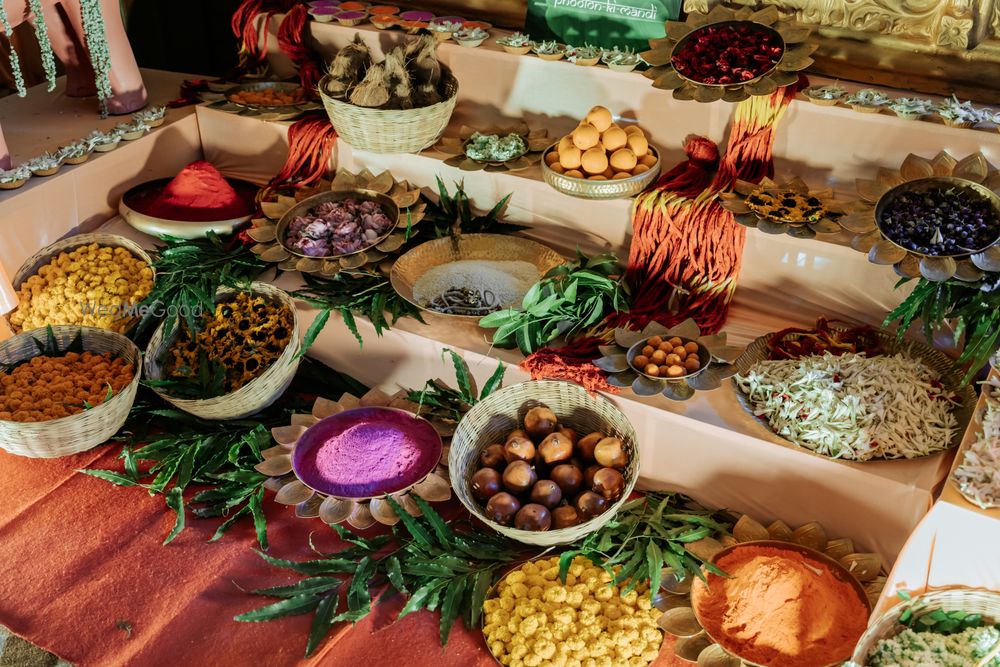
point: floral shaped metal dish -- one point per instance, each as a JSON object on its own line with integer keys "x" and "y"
{"x": 219, "y": 100}
{"x": 973, "y": 172}
{"x": 293, "y": 475}
{"x": 265, "y": 231}
{"x": 789, "y": 207}
{"x": 794, "y": 54}
{"x": 534, "y": 143}
{"x": 679, "y": 619}
{"x": 713, "y": 355}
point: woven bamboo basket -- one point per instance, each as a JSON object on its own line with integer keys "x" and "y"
{"x": 252, "y": 397}
{"x": 936, "y": 360}
{"x": 971, "y": 600}
{"x": 500, "y": 413}
{"x": 391, "y": 130}
{"x": 46, "y": 254}
{"x": 79, "y": 432}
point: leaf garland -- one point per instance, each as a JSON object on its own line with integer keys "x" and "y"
{"x": 449, "y": 566}
{"x": 450, "y": 404}
{"x": 188, "y": 274}
{"x": 974, "y": 308}
{"x": 436, "y": 565}
{"x": 568, "y": 300}
{"x": 182, "y": 450}
{"x": 647, "y": 534}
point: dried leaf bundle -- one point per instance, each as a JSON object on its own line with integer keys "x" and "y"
{"x": 348, "y": 67}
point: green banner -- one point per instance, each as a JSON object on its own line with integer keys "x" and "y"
{"x": 605, "y": 23}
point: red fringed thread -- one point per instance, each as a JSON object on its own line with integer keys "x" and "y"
{"x": 686, "y": 248}
{"x": 573, "y": 363}
{"x": 253, "y": 50}
{"x": 310, "y": 147}
{"x": 291, "y": 39}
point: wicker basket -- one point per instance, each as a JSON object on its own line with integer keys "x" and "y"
{"x": 971, "y": 600}
{"x": 624, "y": 188}
{"x": 79, "y": 432}
{"x": 492, "y": 419}
{"x": 936, "y": 360}
{"x": 391, "y": 130}
{"x": 45, "y": 255}
{"x": 252, "y": 397}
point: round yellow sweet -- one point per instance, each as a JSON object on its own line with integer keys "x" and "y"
{"x": 649, "y": 160}
{"x": 597, "y": 177}
{"x": 594, "y": 161}
{"x": 570, "y": 158}
{"x": 551, "y": 157}
{"x": 613, "y": 138}
{"x": 565, "y": 143}
{"x": 622, "y": 174}
{"x": 623, "y": 159}
{"x": 573, "y": 173}
{"x": 600, "y": 117}
{"x": 586, "y": 136}
{"x": 632, "y": 128}
{"x": 556, "y": 167}
{"x": 639, "y": 169}
{"x": 638, "y": 144}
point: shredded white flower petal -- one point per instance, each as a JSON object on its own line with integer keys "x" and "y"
{"x": 854, "y": 406}
{"x": 978, "y": 475}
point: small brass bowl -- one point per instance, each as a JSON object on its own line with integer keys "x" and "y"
{"x": 758, "y": 27}
{"x": 704, "y": 359}
{"x": 305, "y": 206}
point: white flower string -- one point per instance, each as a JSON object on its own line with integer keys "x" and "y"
{"x": 97, "y": 47}
{"x": 44, "y": 44}
{"x": 15, "y": 62}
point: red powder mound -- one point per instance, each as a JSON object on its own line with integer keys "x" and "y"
{"x": 199, "y": 193}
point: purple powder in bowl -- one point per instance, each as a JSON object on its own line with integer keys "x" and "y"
{"x": 416, "y": 16}
{"x": 324, "y": 4}
{"x": 325, "y": 11}
{"x": 366, "y": 453}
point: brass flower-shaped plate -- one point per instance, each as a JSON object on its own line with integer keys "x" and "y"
{"x": 274, "y": 205}
{"x": 861, "y": 221}
{"x": 360, "y": 514}
{"x": 535, "y": 140}
{"x": 789, "y": 208}
{"x": 795, "y": 57}
{"x": 615, "y": 362}
{"x": 674, "y": 599}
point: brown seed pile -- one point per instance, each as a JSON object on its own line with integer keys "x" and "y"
{"x": 47, "y": 388}
{"x": 245, "y": 335}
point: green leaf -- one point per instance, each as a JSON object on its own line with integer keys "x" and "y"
{"x": 175, "y": 501}
{"x": 494, "y": 381}
{"x": 462, "y": 375}
{"x": 301, "y": 604}
{"x": 322, "y": 622}
{"x": 313, "y": 331}
{"x": 437, "y": 524}
{"x": 322, "y": 566}
{"x": 654, "y": 566}
{"x": 497, "y": 318}
{"x": 478, "y": 591}
{"x": 310, "y": 586}
{"x": 259, "y": 520}
{"x": 352, "y": 326}
{"x": 358, "y": 597}
{"x": 224, "y": 526}
{"x": 412, "y": 525}
{"x": 420, "y": 598}
{"x": 451, "y": 606}
{"x": 395, "y": 574}
{"x": 109, "y": 476}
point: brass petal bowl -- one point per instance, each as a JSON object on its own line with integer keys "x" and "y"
{"x": 388, "y": 206}
{"x": 409, "y": 268}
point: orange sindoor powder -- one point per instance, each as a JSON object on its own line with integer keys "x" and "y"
{"x": 773, "y": 610}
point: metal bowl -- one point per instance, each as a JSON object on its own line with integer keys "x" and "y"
{"x": 839, "y": 571}
{"x": 704, "y": 359}
{"x": 316, "y": 435}
{"x": 924, "y": 184}
{"x": 137, "y": 198}
{"x": 409, "y": 268}
{"x": 281, "y": 86}
{"x": 759, "y": 27}
{"x": 623, "y": 188}
{"x": 388, "y": 206}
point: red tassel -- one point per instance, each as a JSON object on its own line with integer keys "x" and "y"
{"x": 573, "y": 363}
{"x": 310, "y": 147}
{"x": 291, "y": 39}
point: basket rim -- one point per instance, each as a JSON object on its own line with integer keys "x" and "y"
{"x": 130, "y": 346}
{"x": 515, "y": 533}
{"x": 292, "y": 349}
{"x": 751, "y": 356}
{"x": 451, "y": 99}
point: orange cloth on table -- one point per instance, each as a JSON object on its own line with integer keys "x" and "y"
{"x": 84, "y": 558}
{"x": 775, "y": 610}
